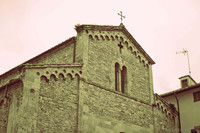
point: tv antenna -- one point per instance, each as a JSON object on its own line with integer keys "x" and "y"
{"x": 185, "y": 52}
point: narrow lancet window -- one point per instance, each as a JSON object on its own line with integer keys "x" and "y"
{"x": 123, "y": 79}
{"x": 116, "y": 76}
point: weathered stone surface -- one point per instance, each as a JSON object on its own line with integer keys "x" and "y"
{"x": 64, "y": 54}
{"x": 108, "y": 106}
{"x": 102, "y": 56}
{"x": 71, "y": 88}
{"x": 58, "y": 99}
{"x": 166, "y": 120}
{"x": 10, "y": 102}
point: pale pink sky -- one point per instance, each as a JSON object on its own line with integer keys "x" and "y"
{"x": 161, "y": 27}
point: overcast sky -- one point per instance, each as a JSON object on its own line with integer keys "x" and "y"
{"x": 161, "y": 27}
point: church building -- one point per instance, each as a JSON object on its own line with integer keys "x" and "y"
{"x": 99, "y": 81}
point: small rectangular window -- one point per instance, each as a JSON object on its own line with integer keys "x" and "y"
{"x": 184, "y": 83}
{"x": 196, "y": 96}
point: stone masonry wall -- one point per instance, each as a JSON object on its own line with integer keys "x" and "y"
{"x": 10, "y": 101}
{"x": 107, "y": 111}
{"x": 103, "y": 53}
{"x": 58, "y": 102}
{"x": 7, "y": 77}
{"x": 61, "y": 55}
{"x": 166, "y": 119}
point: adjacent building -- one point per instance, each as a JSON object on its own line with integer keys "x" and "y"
{"x": 187, "y": 101}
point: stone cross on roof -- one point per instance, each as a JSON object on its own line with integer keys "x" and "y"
{"x": 120, "y": 14}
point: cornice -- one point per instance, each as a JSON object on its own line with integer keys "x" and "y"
{"x": 121, "y": 27}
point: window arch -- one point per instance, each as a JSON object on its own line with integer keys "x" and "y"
{"x": 117, "y": 76}
{"x": 123, "y": 79}
{"x": 120, "y": 78}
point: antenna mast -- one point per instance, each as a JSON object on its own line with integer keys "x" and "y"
{"x": 185, "y": 52}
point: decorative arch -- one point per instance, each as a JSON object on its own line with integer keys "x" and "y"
{"x": 102, "y": 37}
{"x": 126, "y": 43}
{"x": 143, "y": 62}
{"x": 69, "y": 76}
{"x": 116, "y": 37}
{"x": 44, "y": 78}
{"x": 162, "y": 108}
{"x": 139, "y": 58}
{"x": 165, "y": 111}
{"x": 158, "y": 106}
{"x": 77, "y": 75}
{"x": 135, "y": 53}
{"x": 61, "y": 76}
{"x": 96, "y": 37}
{"x": 121, "y": 39}
{"x": 169, "y": 114}
{"x": 91, "y": 37}
{"x": 53, "y": 77}
{"x": 131, "y": 48}
{"x": 112, "y": 38}
{"x": 107, "y": 38}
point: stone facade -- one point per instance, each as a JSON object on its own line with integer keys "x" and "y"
{"x": 166, "y": 116}
{"x": 10, "y": 101}
{"x": 97, "y": 82}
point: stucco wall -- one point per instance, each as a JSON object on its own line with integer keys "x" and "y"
{"x": 189, "y": 110}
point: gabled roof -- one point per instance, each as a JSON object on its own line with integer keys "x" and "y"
{"x": 80, "y": 28}
{"x": 121, "y": 28}
{"x": 70, "y": 40}
{"x": 180, "y": 90}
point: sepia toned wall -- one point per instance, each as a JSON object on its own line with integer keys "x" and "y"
{"x": 165, "y": 116}
{"x": 64, "y": 54}
{"x": 10, "y": 102}
{"x": 51, "y": 98}
{"x": 58, "y": 103}
{"x": 101, "y": 55}
{"x": 71, "y": 88}
{"x": 105, "y": 110}
{"x": 189, "y": 110}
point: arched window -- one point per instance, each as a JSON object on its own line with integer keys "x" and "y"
{"x": 123, "y": 79}
{"x": 117, "y": 76}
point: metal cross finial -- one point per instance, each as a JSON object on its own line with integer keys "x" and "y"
{"x": 120, "y": 14}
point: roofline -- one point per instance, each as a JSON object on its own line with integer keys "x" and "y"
{"x": 180, "y": 90}
{"x": 122, "y": 28}
{"x": 164, "y": 102}
{"x": 72, "y": 39}
{"x": 11, "y": 82}
{"x": 190, "y": 78}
